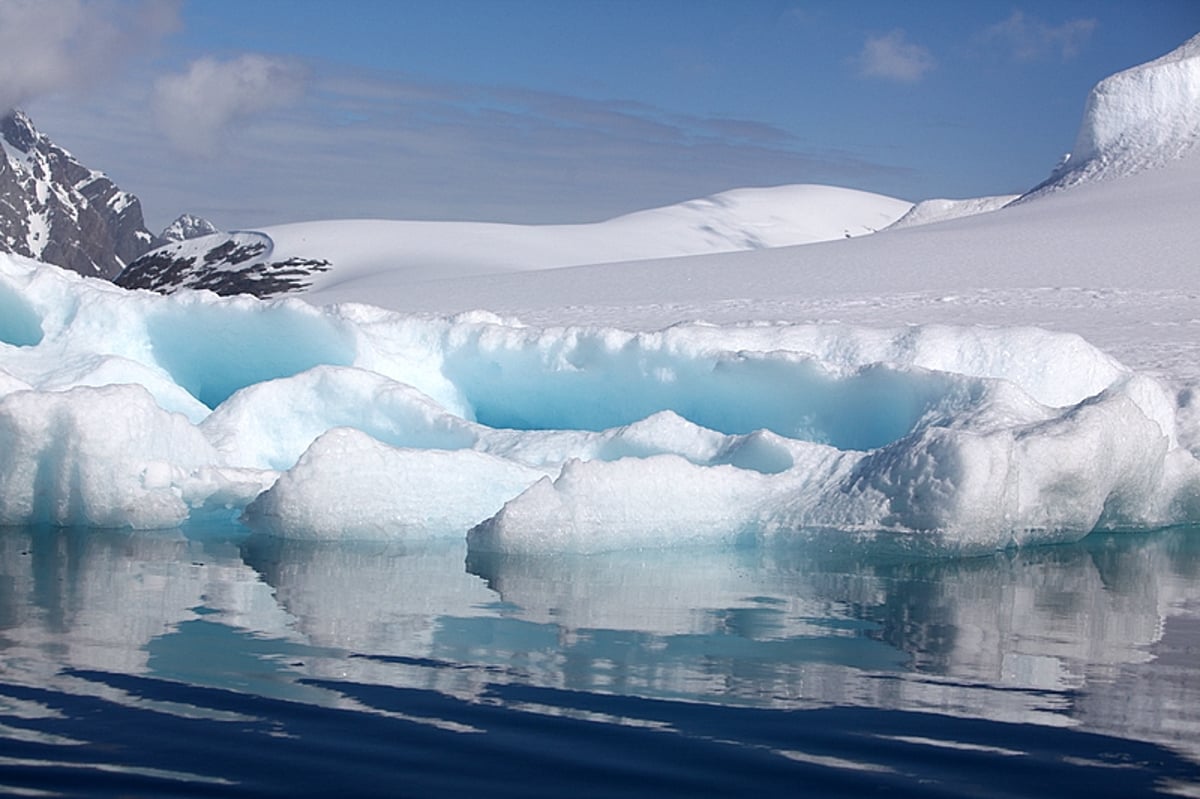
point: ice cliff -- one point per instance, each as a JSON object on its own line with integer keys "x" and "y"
{"x": 1137, "y": 119}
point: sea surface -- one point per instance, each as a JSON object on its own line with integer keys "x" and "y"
{"x": 208, "y": 662}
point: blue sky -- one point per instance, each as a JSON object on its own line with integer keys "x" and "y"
{"x": 263, "y": 111}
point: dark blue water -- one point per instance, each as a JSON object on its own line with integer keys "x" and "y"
{"x": 208, "y": 663}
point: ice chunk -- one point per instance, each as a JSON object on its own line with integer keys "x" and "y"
{"x": 1011, "y": 473}
{"x": 99, "y": 457}
{"x": 1137, "y": 119}
{"x": 268, "y": 425}
{"x": 661, "y": 501}
{"x": 111, "y": 370}
{"x": 598, "y": 379}
{"x": 348, "y": 485}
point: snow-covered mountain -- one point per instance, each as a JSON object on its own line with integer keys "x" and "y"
{"x": 188, "y": 226}
{"x": 1137, "y": 119}
{"x": 56, "y": 210}
{"x": 317, "y": 255}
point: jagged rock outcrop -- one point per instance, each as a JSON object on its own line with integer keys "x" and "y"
{"x": 224, "y": 263}
{"x": 54, "y": 209}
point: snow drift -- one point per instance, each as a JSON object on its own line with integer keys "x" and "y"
{"x": 138, "y": 410}
{"x": 941, "y": 210}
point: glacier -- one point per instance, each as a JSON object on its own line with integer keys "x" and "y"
{"x": 131, "y": 409}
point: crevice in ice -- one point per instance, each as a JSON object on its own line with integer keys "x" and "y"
{"x": 732, "y": 393}
{"x": 20, "y": 325}
{"x": 213, "y": 350}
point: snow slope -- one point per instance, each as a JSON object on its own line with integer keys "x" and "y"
{"x": 350, "y": 250}
{"x": 1141, "y": 126}
{"x": 742, "y": 219}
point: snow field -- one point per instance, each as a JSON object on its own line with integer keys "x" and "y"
{"x": 366, "y": 252}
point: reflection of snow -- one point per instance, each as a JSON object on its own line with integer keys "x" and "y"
{"x": 81, "y": 599}
{"x": 1097, "y": 635}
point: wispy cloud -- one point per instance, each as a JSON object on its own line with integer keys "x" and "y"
{"x": 48, "y": 46}
{"x": 363, "y": 144}
{"x": 891, "y": 56}
{"x": 195, "y": 108}
{"x": 1028, "y": 38}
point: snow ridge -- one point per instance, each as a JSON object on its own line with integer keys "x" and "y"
{"x": 941, "y": 210}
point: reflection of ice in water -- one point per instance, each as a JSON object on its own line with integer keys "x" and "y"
{"x": 683, "y": 592}
{"x": 89, "y": 599}
{"x": 1058, "y": 623}
{"x": 369, "y": 599}
{"x": 775, "y": 627}
{"x": 1101, "y": 634}
{"x": 377, "y": 600}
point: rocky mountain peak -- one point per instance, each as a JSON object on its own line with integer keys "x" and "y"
{"x": 55, "y": 209}
{"x": 188, "y": 227}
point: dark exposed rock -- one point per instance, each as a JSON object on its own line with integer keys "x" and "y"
{"x": 227, "y": 264}
{"x": 54, "y": 209}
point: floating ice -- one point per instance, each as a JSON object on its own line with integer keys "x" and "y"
{"x": 350, "y": 485}
{"x": 100, "y": 457}
{"x": 127, "y": 409}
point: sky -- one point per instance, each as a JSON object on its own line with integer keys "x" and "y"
{"x": 259, "y": 112}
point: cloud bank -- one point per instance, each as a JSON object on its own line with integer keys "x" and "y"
{"x": 49, "y": 46}
{"x": 892, "y": 57}
{"x": 195, "y": 108}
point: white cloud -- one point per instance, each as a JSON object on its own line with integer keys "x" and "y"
{"x": 892, "y": 57}
{"x": 48, "y": 46}
{"x": 196, "y": 107}
{"x": 1029, "y": 38}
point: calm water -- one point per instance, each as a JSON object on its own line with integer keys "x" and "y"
{"x": 209, "y": 663}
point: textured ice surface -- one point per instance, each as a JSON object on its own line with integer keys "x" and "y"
{"x": 1137, "y": 119}
{"x": 131, "y": 409}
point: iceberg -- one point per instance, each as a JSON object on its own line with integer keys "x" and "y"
{"x": 130, "y": 409}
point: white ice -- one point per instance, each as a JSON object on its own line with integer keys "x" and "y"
{"x": 131, "y": 409}
{"x": 598, "y": 414}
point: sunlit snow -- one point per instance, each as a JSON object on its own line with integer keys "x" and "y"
{"x": 352, "y": 422}
{"x": 598, "y": 413}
